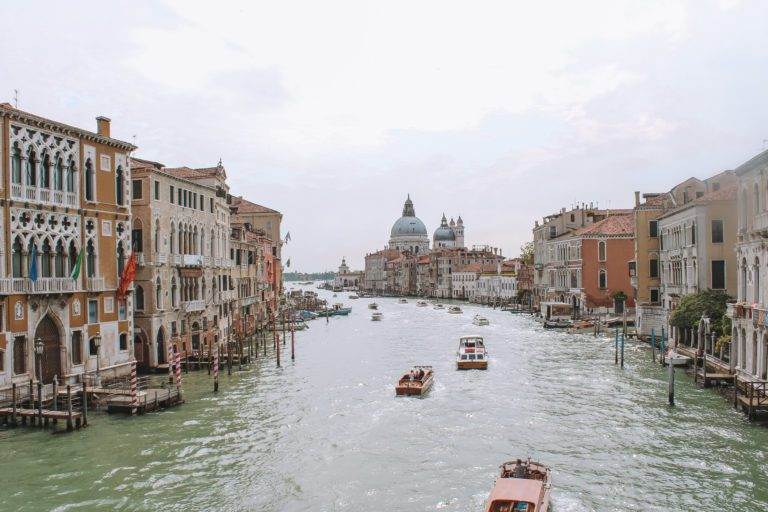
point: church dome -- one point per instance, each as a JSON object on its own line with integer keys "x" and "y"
{"x": 408, "y": 224}
{"x": 444, "y": 233}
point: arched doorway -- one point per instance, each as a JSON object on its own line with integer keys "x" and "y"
{"x": 141, "y": 351}
{"x": 48, "y": 332}
{"x": 195, "y": 337}
{"x": 160, "y": 346}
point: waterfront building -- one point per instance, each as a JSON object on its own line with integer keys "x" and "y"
{"x": 749, "y": 340}
{"x": 498, "y": 285}
{"x": 696, "y": 251}
{"x": 554, "y": 226}
{"x": 183, "y": 286}
{"x": 650, "y": 314}
{"x": 375, "y": 275}
{"x": 249, "y": 277}
{"x": 464, "y": 280}
{"x": 588, "y": 267}
{"x": 66, "y": 212}
{"x": 347, "y": 279}
{"x": 408, "y": 232}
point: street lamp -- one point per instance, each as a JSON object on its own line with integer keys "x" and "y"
{"x": 97, "y": 344}
{"x": 38, "y": 357}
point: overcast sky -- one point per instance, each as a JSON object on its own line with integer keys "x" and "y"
{"x": 332, "y": 112}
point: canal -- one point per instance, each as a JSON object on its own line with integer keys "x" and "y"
{"x": 326, "y": 433}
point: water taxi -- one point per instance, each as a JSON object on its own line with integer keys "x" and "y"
{"x": 455, "y": 310}
{"x": 472, "y": 354}
{"x": 403, "y": 301}
{"x": 416, "y": 382}
{"x": 422, "y": 304}
{"x": 439, "y": 306}
{"x": 557, "y": 315}
{"x": 582, "y": 327}
{"x": 373, "y": 305}
{"x": 480, "y": 320}
{"x": 523, "y": 486}
{"x": 353, "y": 296}
{"x": 336, "y": 310}
{"x": 376, "y": 316}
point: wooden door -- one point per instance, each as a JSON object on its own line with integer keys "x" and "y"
{"x": 51, "y": 359}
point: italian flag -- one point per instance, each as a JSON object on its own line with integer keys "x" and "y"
{"x": 78, "y": 265}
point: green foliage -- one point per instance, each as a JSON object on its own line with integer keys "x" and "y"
{"x": 308, "y": 276}
{"x": 709, "y": 303}
{"x": 526, "y": 253}
{"x": 621, "y": 296}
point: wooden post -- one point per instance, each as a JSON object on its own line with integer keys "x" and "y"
{"x": 622, "y": 350}
{"x": 663, "y": 349}
{"x": 216, "y": 370}
{"x": 751, "y": 397}
{"x": 40, "y": 403}
{"x": 210, "y": 356}
{"x": 283, "y": 327}
{"x": 69, "y": 408}
{"x": 55, "y": 406}
{"x": 671, "y": 384}
{"x": 616, "y": 346}
{"x": 653, "y": 345}
{"x": 13, "y": 404}
{"x": 696, "y": 367}
{"x": 293, "y": 342}
{"x": 85, "y": 404}
{"x": 229, "y": 356}
{"x": 264, "y": 341}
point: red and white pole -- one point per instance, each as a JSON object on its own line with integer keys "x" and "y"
{"x": 134, "y": 389}
{"x": 216, "y": 369}
{"x": 170, "y": 363}
{"x": 178, "y": 367}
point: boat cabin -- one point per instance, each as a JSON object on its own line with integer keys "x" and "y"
{"x": 523, "y": 486}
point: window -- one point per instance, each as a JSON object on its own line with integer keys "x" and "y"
{"x": 602, "y": 281}
{"x": 654, "y": 267}
{"x": 139, "y": 298}
{"x": 122, "y": 310}
{"x": 718, "y": 274}
{"x": 573, "y": 218}
{"x": 158, "y": 294}
{"x": 210, "y": 201}
{"x": 136, "y": 189}
{"x": 93, "y": 311}
{"x": 170, "y": 198}
{"x": 58, "y": 175}
{"x": 178, "y": 197}
{"x": 16, "y": 165}
{"x": 653, "y": 228}
{"x": 93, "y": 350}
{"x": 717, "y": 231}
{"x": 106, "y": 163}
{"x": 137, "y": 237}
{"x": 90, "y": 186}
{"x": 90, "y": 259}
{"x": 19, "y": 355}
{"x": 693, "y": 234}
{"x": 157, "y": 191}
{"x": 654, "y": 296}
{"x": 119, "y": 186}
{"x": 77, "y": 347}
{"x": 109, "y": 304}
{"x": 552, "y": 231}
{"x": 202, "y": 203}
{"x": 601, "y": 250}
{"x": 123, "y": 341}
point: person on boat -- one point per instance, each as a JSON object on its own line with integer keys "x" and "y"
{"x": 519, "y": 470}
{"x": 420, "y": 375}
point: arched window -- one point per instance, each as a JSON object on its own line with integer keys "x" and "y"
{"x": 71, "y": 177}
{"x": 58, "y": 175}
{"x": 72, "y": 255}
{"x": 45, "y": 172}
{"x": 173, "y": 236}
{"x": 31, "y": 170}
{"x": 602, "y": 279}
{"x": 59, "y": 259}
{"x": 756, "y": 281}
{"x": 158, "y": 294}
{"x": 173, "y": 292}
{"x": 157, "y": 236}
{"x": 16, "y": 164}
{"x": 601, "y": 250}
{"x": 119, "y": 186}
{"x": 89, "y": 184}
{"x": 45, "y": 260}
{"x": 90, "y": 259}
{"x": 744, "y": 280}
{"x": 17, "y": 258}
{"x": 120, "y": 259}
{"x": 139, "y": 298}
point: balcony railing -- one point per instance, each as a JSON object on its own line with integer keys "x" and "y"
{"x": 193, "y": 260}
{"x": 176, "y": 259}
{"x": 194, "y": 305}
{"x": 95, "y": 284}
{"x": 161, "y": 258}
{"x": 43, "y": 285}
{"x": 23, "y": 192}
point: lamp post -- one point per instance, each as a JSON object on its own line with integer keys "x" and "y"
{"x": 97, "y": 344}
{"x": 39, "y": 362}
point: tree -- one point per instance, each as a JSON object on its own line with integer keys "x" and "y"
{"x": 526, "y": 253}
{"x": 709, "y": 303}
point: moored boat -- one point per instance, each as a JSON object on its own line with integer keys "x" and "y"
{"x": 676, "y": 359}
{"x": 353, "y": 296}
{"x": 455, "y": 310}
{"x": 582, "y": 327}
{"x": 416, "y": 382}
{"x": 373, "y": 305}
{"x": 439, "y": 306}
{"x": 376, "y": 316}
{"x": 422, "y": 304}
{"x": 403, "y": 301}
{"x": 480, "y": 320}
{"x": 472, "y": 354}
{"x": 522, "y": 486}
{"x": 558, "y": 324}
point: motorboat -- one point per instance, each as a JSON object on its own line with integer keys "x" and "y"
{"x": 480, "y": 320}
{"x": 557, "y": 315}
{"x": 306, "y": 315}
{"x": 676, "y": 359}
{"x": 353, "y": 296}
{"x": 416, "y": 382}
{"x": 403, "y": 301}
{"x": 439, "y": 306}
{"x": 376, "y": 316}
{"x": 472, "y": 354}
{"x": 455, "y": 310}
{"x": 373, "y": 305}
{"x": 336, "y": 310}
{"x": 422, "y": 304}
{"x": 558, "y": 324}
{"x": 582, "y": 327}
{"x": 522, "y": 486}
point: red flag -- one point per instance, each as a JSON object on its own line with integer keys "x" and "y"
{"x": 129, "y": 274}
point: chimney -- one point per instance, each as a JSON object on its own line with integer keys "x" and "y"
{"x": 637, "y": 198}
{"x": 102, "y": 126}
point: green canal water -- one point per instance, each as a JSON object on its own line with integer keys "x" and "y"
{"x": 326, "y": 433}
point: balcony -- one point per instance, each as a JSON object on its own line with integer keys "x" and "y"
{"x": 216, "y": 262}
{"x": 193, "y": 260}
{"x": 140, "y": 258}
{"x": 207, "y": 261}
{"x": 43, "y": 285}
{"x": 95, "y": 284}
{"x": 22, "y": 192}
{"x": 194, "y": 305}
{"x": 176, "y": 259}
{"x": 161, "y": 258}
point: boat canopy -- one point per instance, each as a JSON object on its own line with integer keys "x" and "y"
{"x": 508, "y": 491}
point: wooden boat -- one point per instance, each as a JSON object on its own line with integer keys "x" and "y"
{"x": 336, "y": 310}
{"x": 480, "y": 320}
{"x": 582, "y": 327}
{"x": 439, "y": 306}
{"x": 403, "y": 301}
{"x": 522, "y": 486}
{"x": 422, "y": 304}
{"x": 373, "y": 305}
{"x": 557, "y": 324}
{"x": 472, "y": 354}
{"x": 455, "y": 310}
{"x": 376, "y": 316}
{"x": 416, "y": 382}
{"x": 676, "y": 359}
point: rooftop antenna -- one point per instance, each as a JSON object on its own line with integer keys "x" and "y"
{"x": 16, "y": 98}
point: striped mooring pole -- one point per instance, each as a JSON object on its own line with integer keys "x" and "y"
{"x": 134, "y": 389}
{"x": 216, "y": 369}
{"x": 178, "y": 367}
{"x": 170, "y": 363}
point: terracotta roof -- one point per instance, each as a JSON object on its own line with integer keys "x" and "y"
{"x": 423, "y": 259}
{"x": 140, "y": 163}
{"x": 193, "y": 174}
{"x": 240, "y": 205}
{"x": 612, "y": 226}
{"x": 477, "y": 267}
{"x": 724, "y": 194}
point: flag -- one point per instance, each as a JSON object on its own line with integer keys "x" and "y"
{"x": 33, "y": 263}
{"x": 288, "y": 263}
{"x": 78, "y": 265}
{"x": 129, "y": 274}
{"x": 287, "y": 237}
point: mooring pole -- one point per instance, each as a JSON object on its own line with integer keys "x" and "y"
{"x": 653, "y": 345}
{"x": 13, "y": 411}
{"x": 216, "y": 370}
{"x": 293, "y": 342}
{"x": 671, "y": 381}
{"x": 622, "y": 351}
{"x": 85, "y": 404}
{"x": 69, "y": 408}
{"x": 662, "y": 350}
{"x": 40, "y": 403}
{"x": 616, "y": 347}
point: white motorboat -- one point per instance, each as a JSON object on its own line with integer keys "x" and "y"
{"x": 455, "y": 310}
{"x": 373, "y": 305}
{"x": 376, "y": 316}
{"x": 472, "y": 354}
{"x": 480, "y": 320}
{"x": 422, "y": 304}
{"x": 439, "y": 306}
{"x": 403, "y": 301}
